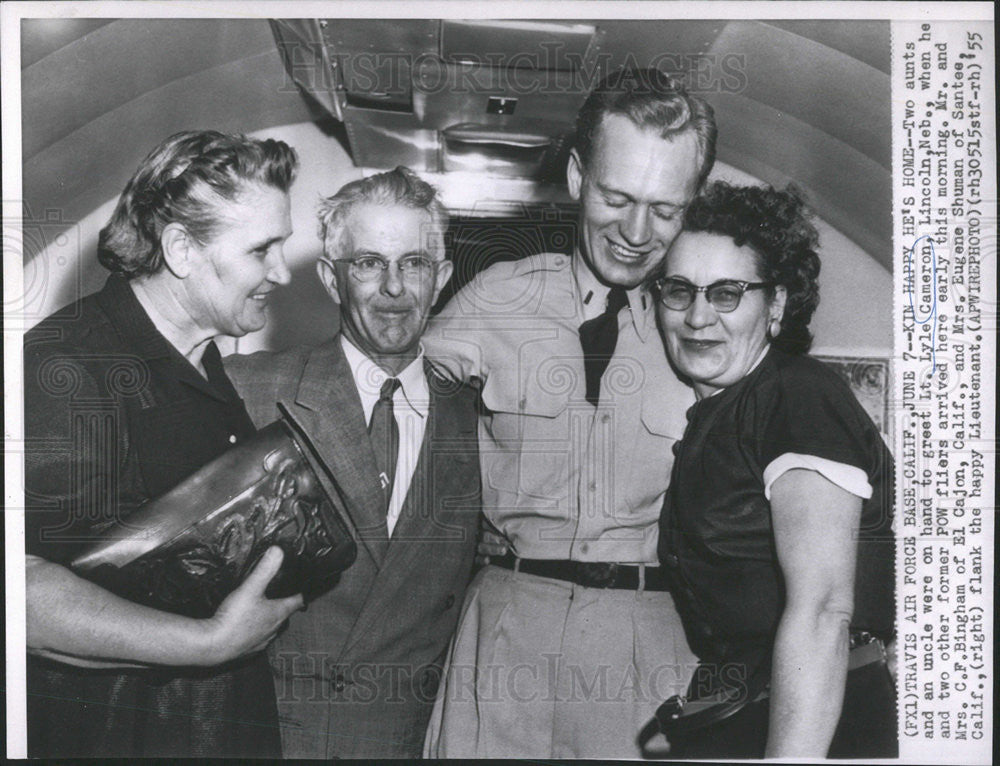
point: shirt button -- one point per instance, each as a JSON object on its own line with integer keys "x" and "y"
{"x": 584, "y": 547}
{"x": 339, "y": 682}
{"x": 606, "y": 417}
{"x": 522, "y": 404}
{"x": 232, "y": 438}
{"x": 592, "y": 486}
{"x": 450, "y": 601}
{"x": 671, "y": 560}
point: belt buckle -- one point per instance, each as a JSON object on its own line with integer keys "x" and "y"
{"x": 597, "y": 574}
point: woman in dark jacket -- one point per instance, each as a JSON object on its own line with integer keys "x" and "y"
{"x": 125, "y": 396}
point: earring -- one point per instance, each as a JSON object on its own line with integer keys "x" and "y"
{"x": 773, "y": 329}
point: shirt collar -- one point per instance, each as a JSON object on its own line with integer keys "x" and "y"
{"x": 139, "y": 333}
{"x": 641, "y": 303}
{"x": 131, "y": 321}
{"x": 369, "y": 377}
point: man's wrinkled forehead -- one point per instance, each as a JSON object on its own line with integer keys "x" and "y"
{"x": 366, "y": 222}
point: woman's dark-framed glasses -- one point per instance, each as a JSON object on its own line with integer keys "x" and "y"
{"x": 369, "y": 268}
{"x": 724, "y": 295}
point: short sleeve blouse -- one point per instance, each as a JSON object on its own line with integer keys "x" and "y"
{"x": 716, "y": 533}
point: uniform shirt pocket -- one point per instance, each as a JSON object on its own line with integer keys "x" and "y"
{"x": 661, "y": 425}
{"x": 528, "y": 424}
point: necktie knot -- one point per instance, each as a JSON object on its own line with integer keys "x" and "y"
{"x": 389, "y": 388}
{"x": 617, "y": 300}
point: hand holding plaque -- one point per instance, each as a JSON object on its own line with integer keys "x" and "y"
{"x": 247, "y": 620}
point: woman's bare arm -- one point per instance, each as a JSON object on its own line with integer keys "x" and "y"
{"x": 75, "y": 621}
{"x": 815, "y": 531}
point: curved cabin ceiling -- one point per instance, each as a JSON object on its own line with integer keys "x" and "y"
{"x": 795, "y": 100}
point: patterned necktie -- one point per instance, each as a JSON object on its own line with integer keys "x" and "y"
{"x": 598, "y": 337}
{"x": 384, "y": 433}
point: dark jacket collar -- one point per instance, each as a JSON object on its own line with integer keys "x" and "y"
{"x": 131, "y": 321}
{"x": 138, "y": 333}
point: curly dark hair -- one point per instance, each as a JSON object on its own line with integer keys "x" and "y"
{"x": 651, "y": 99}
{"x": 184, "y": 180}
{"x": 776, "y": 225}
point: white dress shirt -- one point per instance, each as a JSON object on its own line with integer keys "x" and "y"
{"x": 410, "y": 405}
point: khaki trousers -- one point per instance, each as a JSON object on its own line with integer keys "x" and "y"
{"x": 541, "y": 668}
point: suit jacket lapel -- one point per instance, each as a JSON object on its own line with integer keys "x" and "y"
{"x": 336, "y": 423}
{"x": 420, "y": 523}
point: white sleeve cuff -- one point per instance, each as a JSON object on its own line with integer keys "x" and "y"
{"x": 847, "y": 477}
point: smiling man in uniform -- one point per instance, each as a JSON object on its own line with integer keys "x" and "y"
{"x": 568, "y": 642}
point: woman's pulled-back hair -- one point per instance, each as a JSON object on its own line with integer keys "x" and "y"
{"x": 184, "y": 180}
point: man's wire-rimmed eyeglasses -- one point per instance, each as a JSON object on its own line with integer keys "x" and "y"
{"x": 368, "y": 268}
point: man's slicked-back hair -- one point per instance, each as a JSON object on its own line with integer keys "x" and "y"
{"x": 395, "y": 187}
{"x": 186, "y": 180}
{"x": 653, "y": 100}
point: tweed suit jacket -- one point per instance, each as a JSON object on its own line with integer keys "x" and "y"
{"x": 357, "y": 672}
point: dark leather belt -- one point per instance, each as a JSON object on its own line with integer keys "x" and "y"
{"x": 590, "y": 574}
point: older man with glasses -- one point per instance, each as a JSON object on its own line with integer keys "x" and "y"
{"x": 357, "y": 673}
